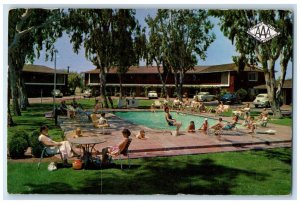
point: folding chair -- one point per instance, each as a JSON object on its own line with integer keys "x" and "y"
{"x": 45, "y": 153}
{"x": 124, "y": 152}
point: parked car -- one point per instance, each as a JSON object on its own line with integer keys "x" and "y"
{"x": 205, "y": 96}
{"x": 57, "y": 93}
{"x": 87, "y": 93}
{"x": 261, "y": 100}
{"x": 230, "y": 98}
{"x": 152, "y": 94}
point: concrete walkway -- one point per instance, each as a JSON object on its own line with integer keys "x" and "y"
{"x": 162, "y": 143}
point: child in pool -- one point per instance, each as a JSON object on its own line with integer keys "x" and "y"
{"x": 191, "y": 127}
{"x": 141, "y": 135}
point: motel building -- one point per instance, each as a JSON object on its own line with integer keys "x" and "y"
{"x": 39, "y": 80}
{"x": 138, "y": 80}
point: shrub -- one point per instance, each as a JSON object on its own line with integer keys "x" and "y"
{"x": 242, "y": 93}
{"x": 17, "y": 147}
{"x": 36, "y": 146}
{"x": 22, "y": 134}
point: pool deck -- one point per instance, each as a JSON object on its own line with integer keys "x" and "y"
{"x": 162, "y": 143}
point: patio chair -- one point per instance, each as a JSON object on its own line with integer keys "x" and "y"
{"x": 104, "y": 129}
{"x": 157, "y": 104}
{"x": 47, "y": 153}
{"x": 122, "y": 103}
{"x": 125, "y": 153}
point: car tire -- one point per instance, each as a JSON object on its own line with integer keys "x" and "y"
{"x": 256, "y": 106}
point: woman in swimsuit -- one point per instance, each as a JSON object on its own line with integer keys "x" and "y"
{"x": 171, "y": 121}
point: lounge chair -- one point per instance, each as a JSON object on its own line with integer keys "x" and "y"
{"x": 132, "y": 103}
{"x": 157, "y": 104}
{"x": 46, "y": 153}
{"x": 263, "y": 122}
{"x": 122, "y": 103}
{"x": 104, "y": 128}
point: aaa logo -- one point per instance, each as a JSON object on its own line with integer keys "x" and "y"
{"x": 263, "y": 32}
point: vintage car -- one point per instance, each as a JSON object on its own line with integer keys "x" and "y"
{"x": 261, "y": 100}
{"x": 87, "y": 93}
{"x": 57, "y": 93}
{"x": 205, "y": 96}
{"x": 152, "y": 94}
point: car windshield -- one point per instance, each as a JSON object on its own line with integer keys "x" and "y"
{"x": 227, "y": 95}
{"x": 261, "y": 96}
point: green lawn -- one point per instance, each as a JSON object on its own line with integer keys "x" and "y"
{"x": 287, "y": 121}
{"x": 33, "y": 118}
{"x": 266, "y": 172}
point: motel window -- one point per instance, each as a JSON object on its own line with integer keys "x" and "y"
{"x": 94, "y": 78}
{"x": 224, "y": 78}
{"x": 252, "y": 76}
{"x": 60, "y": 79}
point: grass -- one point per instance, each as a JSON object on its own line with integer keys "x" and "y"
{"x": 266, "y": 172}
{"x": 287, "y": 121}
{"x": 32, "y": 119}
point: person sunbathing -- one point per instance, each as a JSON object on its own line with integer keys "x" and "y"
{"x": 54, "y": 147}
{"x": 246, "y": 108}
{"x": 218, "y": 127}
{"x": 230, "y": 126}
{"x": 202, "y": 108}
{"x": 116, "y": 149}
{"x": 220, "y": 108}
{"x": 102, "y": 121}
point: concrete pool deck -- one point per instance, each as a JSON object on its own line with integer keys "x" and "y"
{"x": 162, "y": 143}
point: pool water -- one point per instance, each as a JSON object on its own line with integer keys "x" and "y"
{"x": 157, "y": 119}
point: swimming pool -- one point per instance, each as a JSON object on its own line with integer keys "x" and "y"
{"x": 157, "y": 119}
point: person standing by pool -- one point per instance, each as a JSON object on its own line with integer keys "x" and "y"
{"x": 171, "y": 121}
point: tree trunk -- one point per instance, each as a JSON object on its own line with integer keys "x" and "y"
{"x": 10, "y": 121}
{"x": 23, "y": 93}
{"x": 102, "y": 77}
{"x": 164, "y": 88}
{"x": 121, "y": 87}
{"x": 176, "y": 83}
{"x": 14, "y": 90}
{"x": 23, "y": 99}
{"x": 181, "y": 79}
{"x": 271, "y": 85}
